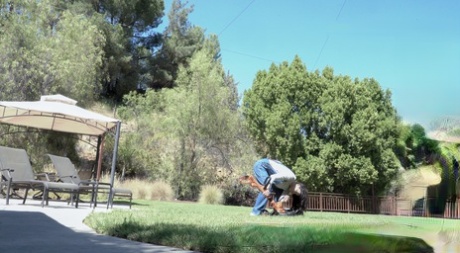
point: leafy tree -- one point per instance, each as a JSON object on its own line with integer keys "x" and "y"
{"x": 413, "y": 147}
{"x": 401, "y": 150}
{"x": 194, "y": 130}
{"x": 336, "y": 133}
{"x": 48, "y": 47}
{"x": 145, "y": 154}
{"x": 44, "y": 49}
{"x": 202, "y": 122}
{"x": 423, "y": 146}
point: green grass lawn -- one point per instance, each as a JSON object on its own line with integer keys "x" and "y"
{"x": 216, "y": 228}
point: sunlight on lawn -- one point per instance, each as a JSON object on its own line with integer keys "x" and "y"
{"x": 217, "y": 228}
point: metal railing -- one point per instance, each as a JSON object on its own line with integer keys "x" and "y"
{"x": 452, "y": 209}
{"x": 333, "y": 202}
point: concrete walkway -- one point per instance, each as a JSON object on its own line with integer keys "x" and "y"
{"x": 59, "y": 228}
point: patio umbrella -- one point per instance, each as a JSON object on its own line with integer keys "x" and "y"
{"x": 445, "y": 129}
{"x": 60, "y": 113}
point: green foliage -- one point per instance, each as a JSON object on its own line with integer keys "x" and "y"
{"x": 180, "y": 41}
{"x": 128, "y": 26}
{"x": 445, "y": 163}
{"x": 45, "y": 49}
{"x": 161, "y": 191}
{"x": 336, "y": 133}
{"x": 39, "y": 142}
{"x": 413, "y": 147}
{"x": 199, "y": 118}
{"x": 143, "y": 189}
{"x": 128, "y": 156}
{"x": 192, "y": 134}
{"x": 236, "y": 194}
{"x": 82, "y": 49}
{"x": 211, "y": 194}
{"x": 401, "y": 150}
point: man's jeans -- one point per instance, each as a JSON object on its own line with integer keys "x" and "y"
{"x": 262, "y": 171}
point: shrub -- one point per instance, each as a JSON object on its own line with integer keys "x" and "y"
{"x": 144, "y": 189}
{"x": 137, "y": 186}
{"x": 240, "y": 195}
{"x": 211, "y": 194}
{"x": 161, "y": 191}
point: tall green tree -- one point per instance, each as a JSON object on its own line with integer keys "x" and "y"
{"x": 180, "y": 41}
{"x": 202, "y": 122}
{"x": 131, "y": 39}
{"x": 335, "y": 132}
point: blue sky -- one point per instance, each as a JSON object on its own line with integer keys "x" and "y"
{"x": 410, "y": 47}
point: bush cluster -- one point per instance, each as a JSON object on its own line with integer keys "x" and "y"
{"x": 145, "y": 189}
{"x": 211, "y": 194}
{"x": 237, "y": 195}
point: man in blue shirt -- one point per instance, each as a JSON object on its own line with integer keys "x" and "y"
{"x": 276, "y": 177}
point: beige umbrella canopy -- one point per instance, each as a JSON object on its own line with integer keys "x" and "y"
{"x": 60, "y": 113}
{"x": 446, "y": 129}
{"x": 444, "y": 136}
{"x": 57, "y": 113}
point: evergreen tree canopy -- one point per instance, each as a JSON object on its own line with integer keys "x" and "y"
{"x": 336, "y": 133}
{"x": 129, "y": 28}
{"x": 180, "y": 41}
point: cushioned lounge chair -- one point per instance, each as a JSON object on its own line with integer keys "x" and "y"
{"x": 17, "y": 173}
{"x": 67, "y": 172}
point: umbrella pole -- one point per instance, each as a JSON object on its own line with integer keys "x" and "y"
{"x": 100, "y": 140}
{"x": 114, "y": 161}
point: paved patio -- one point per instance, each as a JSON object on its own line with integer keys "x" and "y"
{"x": 59, "y": 228}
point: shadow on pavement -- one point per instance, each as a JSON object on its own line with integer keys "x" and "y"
{"x": 36, "y": 232}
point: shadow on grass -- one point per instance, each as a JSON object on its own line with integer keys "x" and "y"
{"x": 126, "y": 203}
{"x": 359, "y": 242}
{"x": 266, "y": 239}
{"x": 120, "y": 203}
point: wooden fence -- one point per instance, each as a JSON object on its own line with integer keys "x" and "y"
{"x": 452, "y": 209}
{"x": 390, "y": 205}
{"x": 318, "y": 201}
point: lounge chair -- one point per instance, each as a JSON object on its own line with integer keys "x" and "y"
{"x": 67, "y": 172}
{"x": 17, "y": 173}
